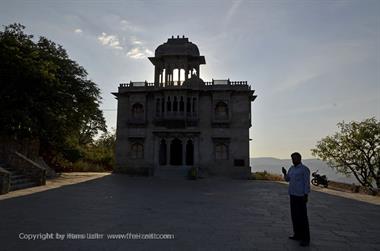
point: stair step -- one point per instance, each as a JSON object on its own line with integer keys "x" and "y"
{"x": 22, "y": 186}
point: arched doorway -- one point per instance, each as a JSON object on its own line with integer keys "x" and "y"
{"x": 176, "y": 152}
{"x": 189, "y": 153}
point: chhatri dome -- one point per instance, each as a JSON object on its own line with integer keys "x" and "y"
{"x": 177, "y": 46}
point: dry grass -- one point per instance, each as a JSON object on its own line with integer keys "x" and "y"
{"x": 351, "y": 188}
{"x": 266, "y": 176}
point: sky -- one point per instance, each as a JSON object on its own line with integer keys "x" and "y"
{"x": 312, "y": 64}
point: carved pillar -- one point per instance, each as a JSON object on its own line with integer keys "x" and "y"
{"x": 160, "y": 77}
{"x": 156, "y": 75}
{"x": 168, "y": 144}
{"x": 196, "y": 151}
{"x": 179, "y": 76}
{"x": 166, "y": 76}
{"x": 156, "y": 152}
{"x": 183, "y": 151}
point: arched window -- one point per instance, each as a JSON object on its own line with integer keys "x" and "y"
{"x": 221, "y": 110}
{"x": 221, "y": 151}
{"x": 137, "y": 111}
{"x": 137, "y": 151}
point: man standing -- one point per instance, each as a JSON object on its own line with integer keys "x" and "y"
{"x": 298, "y": 177}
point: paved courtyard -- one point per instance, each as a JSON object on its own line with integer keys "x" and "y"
{"x": 207, "y": 214}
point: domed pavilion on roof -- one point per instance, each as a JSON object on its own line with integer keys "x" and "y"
{"x": 180, "y": 122}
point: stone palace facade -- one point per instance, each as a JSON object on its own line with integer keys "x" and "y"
{"x": 179, "y": 121}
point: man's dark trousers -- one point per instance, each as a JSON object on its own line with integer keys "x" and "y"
{"x": 299, "y": 218}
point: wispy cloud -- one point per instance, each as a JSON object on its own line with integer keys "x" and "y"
{"x": 231, "y": 11}
{"x": 110, "y": 40}
{"x": 139, "y": 53}
{"x": 324, "y": 59}
{"x": 126, "y": 25}
{"x": 134, "y": 40}
{"x": 124, "y": 37}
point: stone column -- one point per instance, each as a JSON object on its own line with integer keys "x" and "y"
{"x": 156, "y": 75}
{"x": 183, "y": 151}
{"x": 160, "y": 77}
{"x": 156, "y": 152}
{"x": 191, "y": 107}
{"x": 164, "y": 110}
{"x": 179, "y": 76}
{"x": 168, "y": 143}
{"x": 196, "y": 151}
{"x": 166, "y": 77}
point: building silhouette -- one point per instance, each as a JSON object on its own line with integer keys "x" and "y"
{"x": 179, "y": 121}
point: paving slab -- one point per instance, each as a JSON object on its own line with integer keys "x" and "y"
{"x": 207, "y": 214}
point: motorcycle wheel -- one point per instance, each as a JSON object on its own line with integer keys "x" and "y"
{"x": 326, "y": 185}
{"x": 314, "y": 182}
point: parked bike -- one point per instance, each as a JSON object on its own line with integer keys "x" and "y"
{"x": 319, "y": 179}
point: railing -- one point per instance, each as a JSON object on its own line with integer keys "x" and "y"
{"x": 28, "y": 167}
{"x": 238, "y": 83}
{"x": 218, "y": 82}
{"x": 227, "y": 82}
{"x": 137, "y": 84}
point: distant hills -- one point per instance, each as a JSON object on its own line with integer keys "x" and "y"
{"x": 273, "y": 165}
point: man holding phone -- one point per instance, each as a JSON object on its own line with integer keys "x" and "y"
{"x": 298, "y": 177}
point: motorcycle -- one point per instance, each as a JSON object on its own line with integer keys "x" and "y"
{"x": 319, "y": 179}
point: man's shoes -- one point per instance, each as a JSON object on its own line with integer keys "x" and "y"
{"x": 304, "y": 243}
{"x": 295, "y": 238}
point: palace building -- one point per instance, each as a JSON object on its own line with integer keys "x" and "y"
{"x": 179, "y": 121}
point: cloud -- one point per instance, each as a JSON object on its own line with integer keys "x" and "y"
{"x": 78, "y": 30}
{"x": 126, "y": 25}
{"x": 323, "y": 59}
{"x": 231, "y": 11}
{"x": 110, "y": 40}
{"x": 139, "y": 53}
{"x": 122, "y": 36}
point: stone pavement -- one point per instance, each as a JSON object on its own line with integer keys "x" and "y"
{"x": 207, "y": 214}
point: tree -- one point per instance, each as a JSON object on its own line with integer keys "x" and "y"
{"x": 45, "y": 95}
{"x": 354, "y": 150}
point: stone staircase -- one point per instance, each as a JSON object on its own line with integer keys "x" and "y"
{"x": 18, "y": 180}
